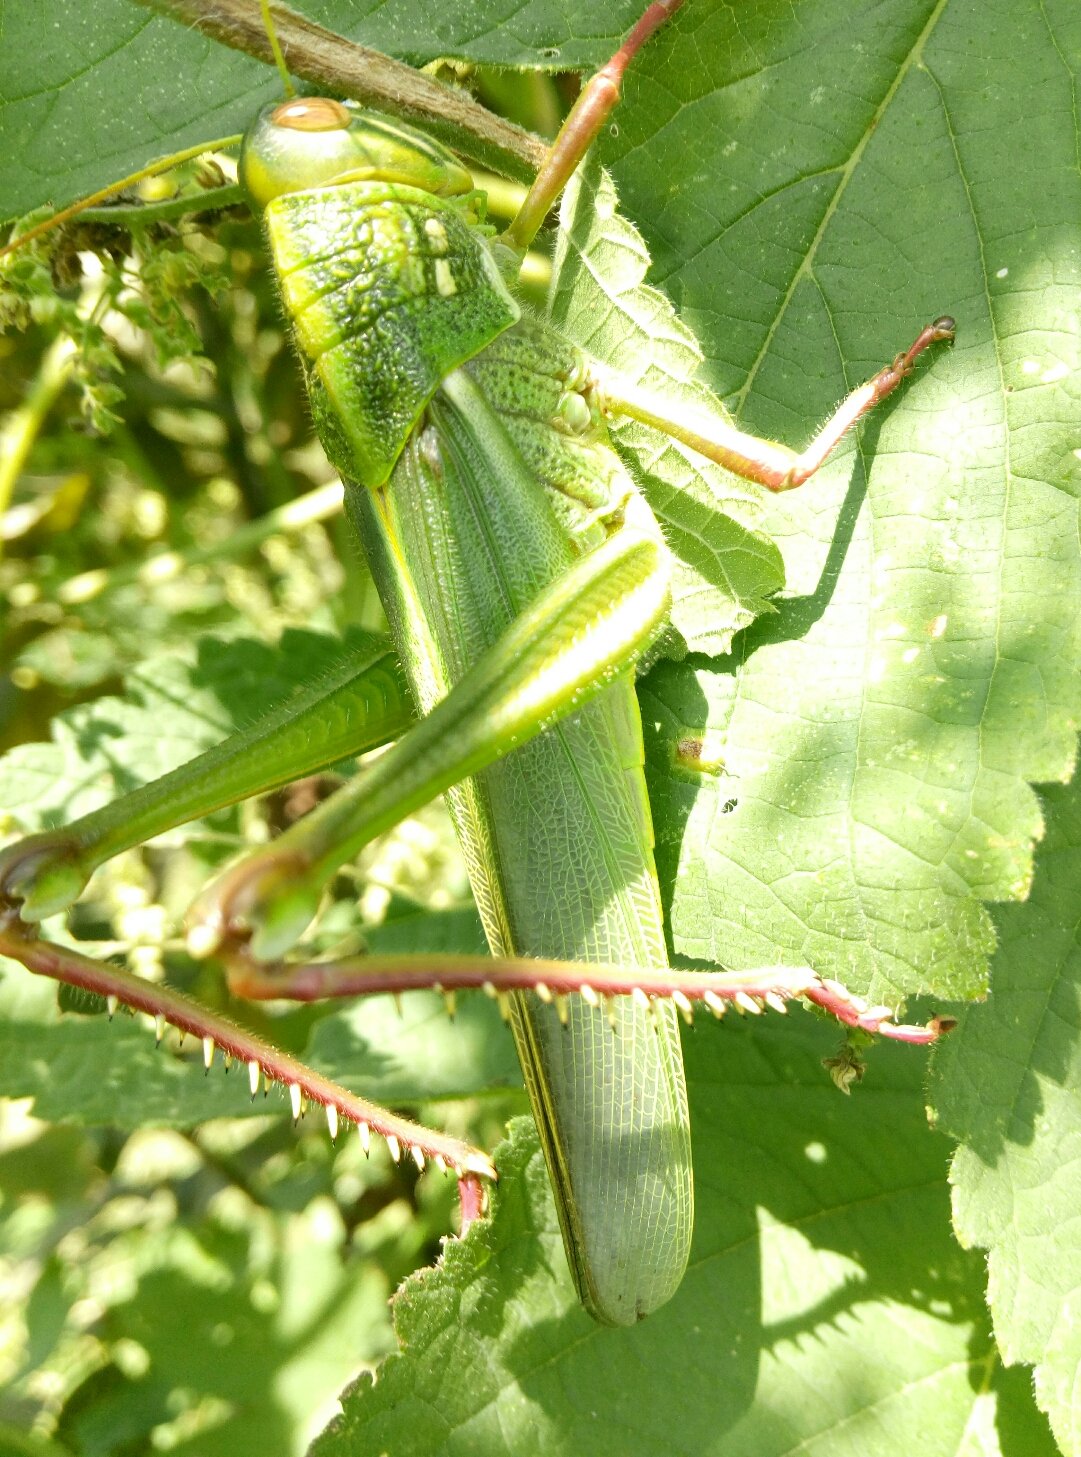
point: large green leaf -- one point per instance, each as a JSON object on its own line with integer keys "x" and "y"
{"x": 58, "y": 61}
{"x": 815, "y": 183}
{"x": 826, "y": 1309}
{"x": 724, "y": 570}
{"x": 1008, "y": 1086}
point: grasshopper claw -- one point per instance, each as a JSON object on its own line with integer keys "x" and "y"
{"x": 265, "y": 902}
{"x": 42, "y": 874}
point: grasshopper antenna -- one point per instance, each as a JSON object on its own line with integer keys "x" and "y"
{"x": 275, "y": 46}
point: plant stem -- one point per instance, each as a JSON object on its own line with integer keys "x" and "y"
{"x": 341, "y": 66}
{"x": 141, "y": 214}
{"x": 21, "y": 428}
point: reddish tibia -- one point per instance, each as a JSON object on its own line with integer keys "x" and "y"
{"x": 595, "y": 104}
{"x": 771, "y": 465}
{"x": 263, "y": 1059}
{"x": 751, "y": 991}
{"x": 859, "y": 403}
{"x": 471, "y": 1194}
{"x": 748, "y": 991}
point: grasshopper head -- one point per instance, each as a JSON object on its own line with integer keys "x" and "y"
{"x": 312, "y": 141}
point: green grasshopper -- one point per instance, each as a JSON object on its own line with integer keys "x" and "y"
{"x": 524, "y": 578}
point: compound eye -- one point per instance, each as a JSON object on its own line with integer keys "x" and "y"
{"x": 312, "y": 114}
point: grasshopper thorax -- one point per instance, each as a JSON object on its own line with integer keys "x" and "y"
{"x": 313, "y": 141}
{"x": 384, "y": 264}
